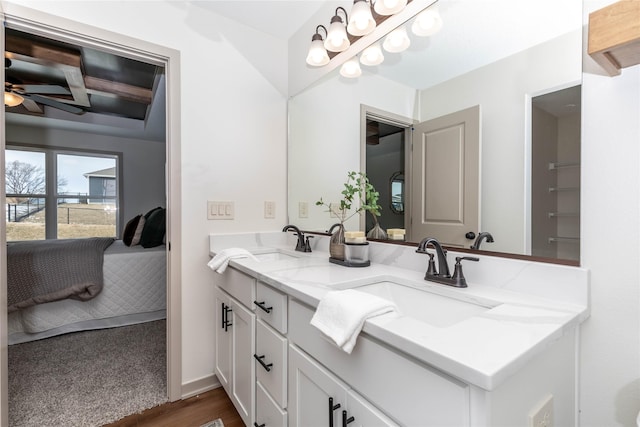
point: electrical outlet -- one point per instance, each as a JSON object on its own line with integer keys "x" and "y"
{"x": 303, "y": 210}
{"x": 269, "y": 210}
{"x": 542, "y": 414}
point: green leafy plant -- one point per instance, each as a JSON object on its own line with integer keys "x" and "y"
{"x": 356, "y": 188}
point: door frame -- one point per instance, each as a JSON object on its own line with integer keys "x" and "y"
{"x": 398, "y": 120}
{"x": 36, "y": 22}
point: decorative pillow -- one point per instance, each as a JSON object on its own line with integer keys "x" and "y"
{"x": 138, "y": 234}
{"x": 130, "y": 229}
{"x": 154, "y": 228}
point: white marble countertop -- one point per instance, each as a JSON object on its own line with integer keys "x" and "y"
{"x": 484, "y": 349}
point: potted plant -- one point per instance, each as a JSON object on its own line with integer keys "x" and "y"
{"x": 357, "y": 188}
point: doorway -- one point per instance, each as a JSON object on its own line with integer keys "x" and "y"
{"x": 27, "y": 20}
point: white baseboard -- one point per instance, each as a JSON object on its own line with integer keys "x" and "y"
{"x": 200, "y": 385}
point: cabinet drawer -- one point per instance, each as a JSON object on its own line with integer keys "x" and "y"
{"x": 268, "y": 413}
{"x": 272, "y": 307}
{"x": 271, "y": 349}
{"x": 239, "y": 285}
{"x": 379, "y": 373}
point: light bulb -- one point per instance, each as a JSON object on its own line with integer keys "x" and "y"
{"x": 337, "y": 40}
{"x": 372, "y": 55}
{"x": 427, "y": 22}
{"x": 12, "y": 99}
{"x": 317, "y": 53}
{"x": 351, "y": 68}
{"x": 397, "y": 40}
{"x": 361, "y": 21}
{"x": 389, "y": 7}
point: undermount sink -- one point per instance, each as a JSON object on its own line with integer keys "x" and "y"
{"x": 436, "y": 310}
{"x": 275, "y": 255}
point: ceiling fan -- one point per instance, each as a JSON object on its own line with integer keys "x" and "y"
{"x": 30, "y": 95}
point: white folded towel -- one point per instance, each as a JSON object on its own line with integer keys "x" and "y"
{"x": 220, "y": 262}
{"x": 341, "y": 315}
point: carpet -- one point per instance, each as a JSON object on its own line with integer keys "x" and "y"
{"x": 88, "y": 378}
{"x": 214, "y": 423}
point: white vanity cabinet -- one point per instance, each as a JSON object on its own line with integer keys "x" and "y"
{"x": 235, "y": 341}
{"x": 319, "y": 399}
{"x": 271, "y": 356}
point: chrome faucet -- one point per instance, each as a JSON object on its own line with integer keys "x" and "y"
{"x": 481, "y": 236}
{"x": 302, "y": 245}
{"x": 442, "y": 274}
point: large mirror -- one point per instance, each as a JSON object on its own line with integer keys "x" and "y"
{"x": 513, "y": 65}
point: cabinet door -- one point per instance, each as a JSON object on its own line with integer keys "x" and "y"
{"x": 243, "y": 369}
{"x": 364, "y": 414}
{"x": 222, "y": 339}
{"x": 310, "y": 389}
{"x": 268, "y": 412}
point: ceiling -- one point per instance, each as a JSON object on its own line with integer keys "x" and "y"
{"x": 67, "y": 86}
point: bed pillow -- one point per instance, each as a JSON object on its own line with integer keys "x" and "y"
{"x": 131, "y": 229}
{"x": 154, "y": 228}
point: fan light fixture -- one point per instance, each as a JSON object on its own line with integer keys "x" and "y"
{"x": 389, "y": 7}
{"x": 317, "y": 55}
{"x": 337, "y": 40}
{"x": 427, "y": 22}
{"x": 397, "y": 40}
{"x": 12, "y": 99}
{"x": 351, "y": 68}
{"x": 372, "y": 55}
{"x": 361, "y": 22}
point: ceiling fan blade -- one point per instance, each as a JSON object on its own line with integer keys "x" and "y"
{"x": 44, "y": 89}
{"x": 55, "y": 104}
{"x": 32, "y": 106}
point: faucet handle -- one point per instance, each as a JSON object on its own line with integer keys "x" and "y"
{"x": 431, "y": 268}
{"x": 458, "y": 276}
{"x": 307, "y": 246}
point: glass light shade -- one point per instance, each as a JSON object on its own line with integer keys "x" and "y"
{"x": 397, "y": 40}
{"x": 427, "y": 22}
{"x": 361, "y": 21}
{"x": 372, "y": 55}
{"x": 337, "y": 40}
{"x": 12, "y": 99}
{"x": 317, "y": 56}
{"x": 351, "y": 68}
{"x": 389, "y": 7}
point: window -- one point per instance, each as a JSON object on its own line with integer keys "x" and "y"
{"x": 82, "y": 187}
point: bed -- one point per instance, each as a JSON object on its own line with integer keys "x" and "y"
{"x": 134, "y": 291}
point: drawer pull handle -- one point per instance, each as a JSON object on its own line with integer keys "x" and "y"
{"x": 332, "y": 408}
{"x": 261, "y": 305}
{"x": 225, "y": 316}
{"x": 256, "y": 425}
{"x": 346, "y": 420}
{"x": 267, "y": 367}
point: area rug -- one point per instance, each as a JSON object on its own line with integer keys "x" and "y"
{"x": 214, "y": 423}
{"x": 87, "y": 378}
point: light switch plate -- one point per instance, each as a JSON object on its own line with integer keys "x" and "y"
{"x": 220, "y": 210}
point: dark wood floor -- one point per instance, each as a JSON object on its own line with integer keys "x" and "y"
{"x": 192, "y": 412}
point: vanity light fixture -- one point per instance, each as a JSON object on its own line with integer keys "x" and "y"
{"x": 361, "y": 22}
{"x": 12, "y": 99}
{"x": 397, "y": 40}
{"x": 337, "y": 39}
{"x": 351, "y": 68}
{"x": 317, "y": 55}
{"x": 372, "y": 55}
{"x": 389, "y": 7}
{"x": 427, "y": 23}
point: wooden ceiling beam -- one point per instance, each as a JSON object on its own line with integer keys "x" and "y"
{"x": 121, "y": 90}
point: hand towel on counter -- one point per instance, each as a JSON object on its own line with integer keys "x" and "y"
{"x": 341, "y": 315}
{"x": 220, "y": 262}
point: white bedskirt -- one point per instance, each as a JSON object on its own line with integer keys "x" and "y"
{"x": 134, "y": 291}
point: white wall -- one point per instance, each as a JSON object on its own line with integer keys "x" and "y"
{"x": 142, "y": 162}
{"x": 233, "y": 141}
{"x": 610, "y": 244}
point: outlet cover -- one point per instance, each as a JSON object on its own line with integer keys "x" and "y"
{"x": 303, "y": 210}
{"x": 269, "y": 210}
{"x": 542, "y": 414}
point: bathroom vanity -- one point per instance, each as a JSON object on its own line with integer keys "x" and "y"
{"x": 488, "y": 355}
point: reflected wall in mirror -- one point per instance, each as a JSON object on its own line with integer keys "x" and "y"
{"x": 492, "y": 54}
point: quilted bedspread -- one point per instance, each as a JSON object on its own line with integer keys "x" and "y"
{"x": 51, "y": 270}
